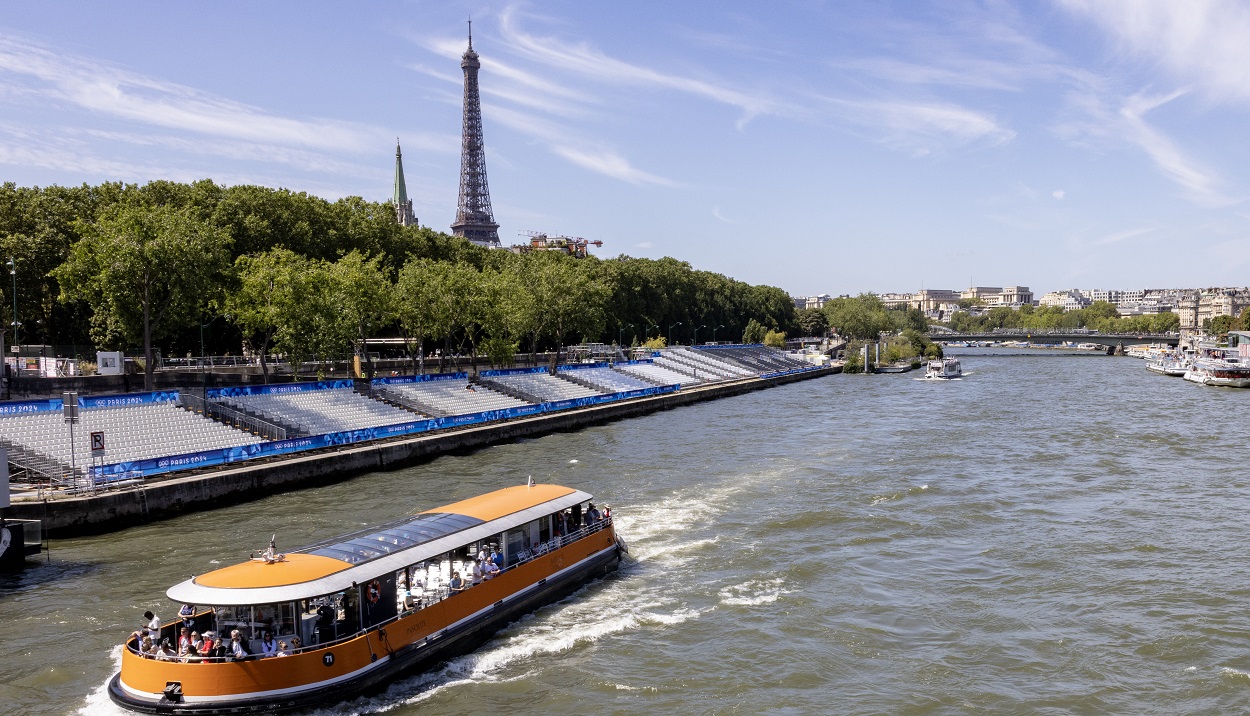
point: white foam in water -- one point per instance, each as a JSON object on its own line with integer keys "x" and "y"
{"x": 572, "y": 462}
{"x": 754, "y": 592}
{"x": 98, "y": 701}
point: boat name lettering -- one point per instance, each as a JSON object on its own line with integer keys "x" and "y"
{"x": 412, "y": 629}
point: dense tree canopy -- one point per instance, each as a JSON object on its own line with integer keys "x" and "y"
{"x": 123, "y": 266}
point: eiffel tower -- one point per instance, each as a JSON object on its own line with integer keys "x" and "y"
{"x": 474, "y": 219}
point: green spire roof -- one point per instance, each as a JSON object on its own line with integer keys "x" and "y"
{"x": 401, "y": 190}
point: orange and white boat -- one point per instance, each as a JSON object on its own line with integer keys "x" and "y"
{"x": 370, "y": 605}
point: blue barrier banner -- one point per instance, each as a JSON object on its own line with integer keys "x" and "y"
{"x": 400, "y": 379}
{"x": 22, "y": 407}
{"x": 276, "y": 389}
{"x": 116, "y": 401}
{"x": 582, "y": 366}
{"x": 636, "y": 362}
{"x": 511, "y": 371}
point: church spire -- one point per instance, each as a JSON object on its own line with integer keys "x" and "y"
{"x": 399, "y": 196}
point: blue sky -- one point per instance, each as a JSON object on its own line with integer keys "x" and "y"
{"x": 822, "y": 147}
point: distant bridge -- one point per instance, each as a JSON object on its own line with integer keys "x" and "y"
{"x": 1110, "y": 340}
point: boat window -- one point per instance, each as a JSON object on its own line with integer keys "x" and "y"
{"x": 544, "y": 528}
{"x": 324, "y": 619}
{"x": 517, "y": 544}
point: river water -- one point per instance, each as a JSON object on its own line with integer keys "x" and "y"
{"x": 1049, "y": 535}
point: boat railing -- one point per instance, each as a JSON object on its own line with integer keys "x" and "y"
{"x": 428, "y": 597}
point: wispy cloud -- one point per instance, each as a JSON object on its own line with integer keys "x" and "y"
{"x": 908, "y": 122}
{"x": 1202, "y": 43}
{"x": 100, "y": 88}
{"x": 1059, "y": 194}
{"x": 588, "y": 154}
{"x": 1125, "y": 121}
{"x": 583, "y": 59}
{"x": 1121, "y": 236}
{"x": 721, "y": 217}
{"x": 609, "y": 163}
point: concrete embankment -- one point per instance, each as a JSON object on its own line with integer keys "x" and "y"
{"x": 165, "y": 498}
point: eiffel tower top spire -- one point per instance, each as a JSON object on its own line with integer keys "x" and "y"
{"x": 474, "y": 219}
{"x": 399, "y": 197}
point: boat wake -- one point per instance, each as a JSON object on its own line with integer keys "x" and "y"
{"x": 98, "y": 701}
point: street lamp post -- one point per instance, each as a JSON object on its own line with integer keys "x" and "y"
{"x": 670, "y": 332}
{"x": 714, "y": 332}
{"x": 13, "y": 272}
{"x": 648, "y": 330}
{"x": 202, "y": 327}
{"x": 621, "y": 332}
{"x": 695, "y": 341}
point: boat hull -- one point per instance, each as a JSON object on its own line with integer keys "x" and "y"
{"x": 1204, "y": 378}
{"x": 416, "y": 656}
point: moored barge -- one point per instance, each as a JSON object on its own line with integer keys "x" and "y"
{"x": 354, "y": 612}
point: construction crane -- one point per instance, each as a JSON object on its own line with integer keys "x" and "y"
{"x": 574, "y": 246}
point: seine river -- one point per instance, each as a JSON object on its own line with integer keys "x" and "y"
{"x": 1049, "y": 535}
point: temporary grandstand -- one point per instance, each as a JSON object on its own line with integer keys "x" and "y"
{"x": 658, "y": 374}
{"x": 315, "y": 410}
{"x": 759, "y": 360}
{"x": 704, "y": 366}
{"x": 604, "y": 378}
{"x": 448, "y": 397}
{"x": 538, "y": 387}
{"x": 40, "y": 441}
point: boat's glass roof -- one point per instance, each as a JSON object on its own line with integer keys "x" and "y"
{"x": 394, "y": 536}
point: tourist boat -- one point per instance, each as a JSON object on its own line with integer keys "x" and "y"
{"x": 1214, "y": 371}
{"x": 944, "y": 369}
{"x": 1169, "y": 364}
{"x": 370, "y": 605}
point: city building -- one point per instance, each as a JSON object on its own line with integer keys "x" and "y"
{"x": 817, "y": 302}
{"x": 1069, "y": 300}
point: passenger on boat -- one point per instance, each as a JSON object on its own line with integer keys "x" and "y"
{"x": 187, "y": 613}
{"x": 184, "y": 640}
{"x": 146, "y": 648}
{"x": 206, "y": 645}
{"x": 456, "y": 584}
{"x": 236, "y": 645}
{"x": 281, "y": 649}
{"x": 193, "y": 655}
{"x": 268, "y": 647}
{"x": 154, "y": 623}
{"x": 607, "y": 511}
{"x": 296, "y": 644}
{"x": 479, "y": 571}
{"x": 592, "y": 514}
{"x": 491, "y": 569}
{"x": 496, "y": 557}
{"x": 194, "y": 641}
{"x": 165, "y": 652}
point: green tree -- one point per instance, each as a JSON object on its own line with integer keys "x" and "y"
{"x": 146, "y": 270}
{"x": 775, "y": 339}
{"x": 366, "y": 294}
{"x": 753, "y": 333}
{"x": 264, "y": 298}
{"x": 417, "y": 308}
{"x": 812, "y": 322}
